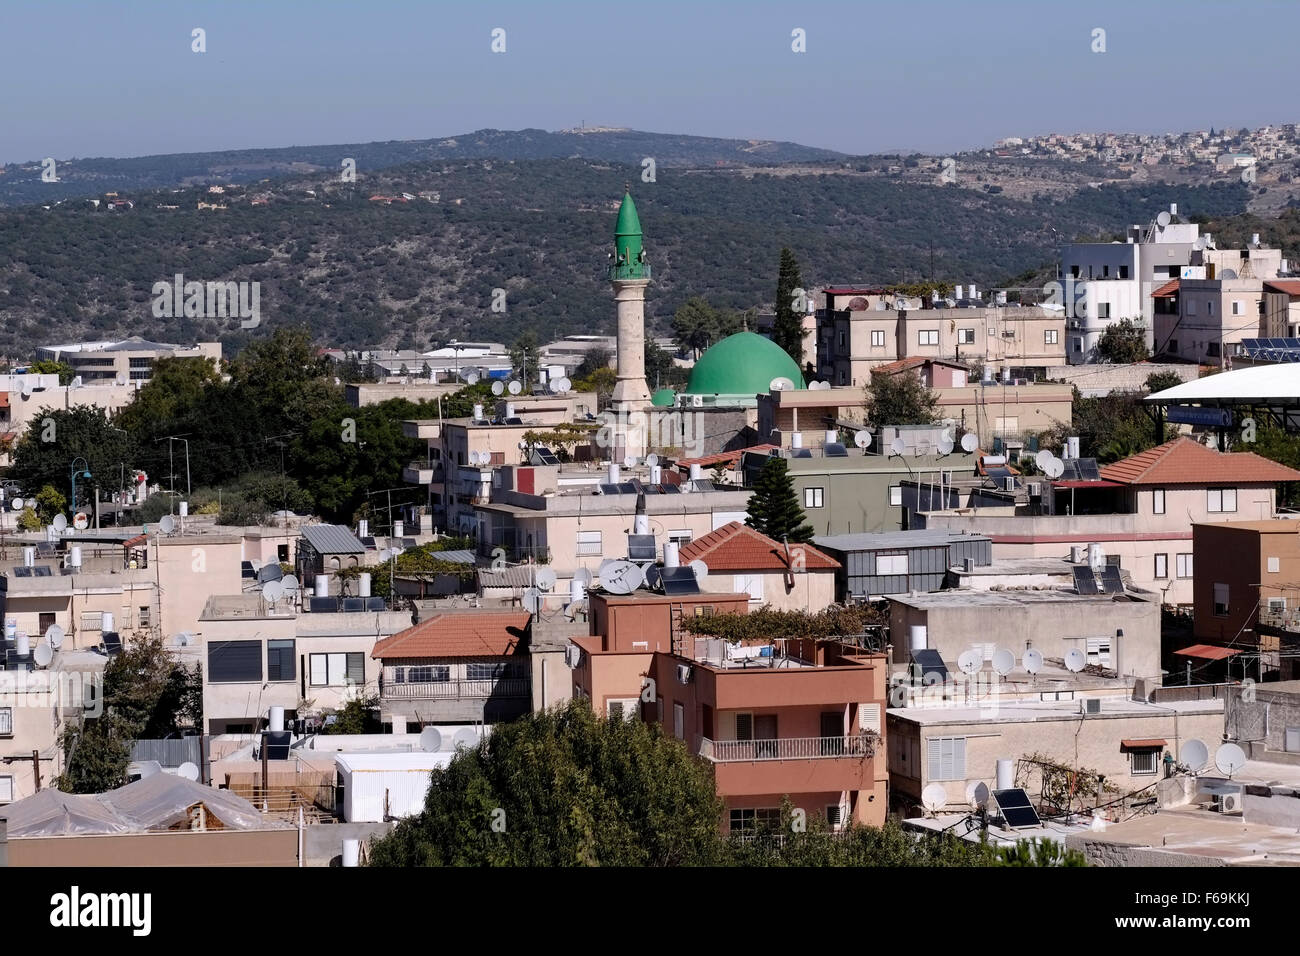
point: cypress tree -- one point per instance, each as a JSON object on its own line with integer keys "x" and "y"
{"x": 774, "y": 507}
{"x": 787, "y": 327}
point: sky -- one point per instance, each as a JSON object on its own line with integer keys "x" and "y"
{"x": 100, "y": 78}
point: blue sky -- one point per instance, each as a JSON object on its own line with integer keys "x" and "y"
{"x": 120, "y": 79}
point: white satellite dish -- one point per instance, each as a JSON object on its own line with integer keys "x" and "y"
{"x": 1055, "y": 468}
{"x": 290, "y": 584}
{"x": 472, "y": 378}
{"x": 188, "y": 771}
{"x": 969, "y": 442}
{"x": 27, "y": 389}
{"x": 54, "y": 634}
{"x": 184, "y": 638}
{"x": 1043, "y": 459}
{"x": 167, "y": 525}
{"x": 583, "y": 577}
{"x": 781, "y": 384}
{"x": 629, "y": 461}
{"x": 1195, "y": 755}
{"x": 564, "y": 384}
{"x": 465, "y": 737}
{"x": 43, "y": 654}
{"x": 1004, "y": 662}
{"x": 515, "y": 388}
{"x": 606, "y": 567}
{"x": 149, "y": 768}
{"x": 546, "y": 579}
{"x": 1200, "y": 242}
{"x": 934, "y": 797}
{"x": 977, "y": 794}
{"x": 969, "y": 661}
{"x": 430, "y": 740}
{"x": 60, "y": 523}
{"x": 700, "y": 569}
{"x": 1033, "y": 661}
{"x": 1228, "y": 274}
{"x": 473, "y": 455}
{"x": 498, "y": 388}
{"x": 18, "y": 504}
{"x": 897, "y": 446}
{"x": 1075, "y": 660}
{"x": 1162, "y": 219}
{"x": 651, "y": 460}
{"x": 272, "y": 591}
{"x": 1229, "y": 759}
{"x": 862, "y": 440}
{"x": 532, "y": 600}
{"x": 622, "y": 577}
{"x": 945, "y": 445}
{"x": 121, "y": 378}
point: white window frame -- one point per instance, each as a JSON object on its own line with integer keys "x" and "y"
{"x": 927, "y": 336}
{"x": 895, "y": 495}
{"x": 965, "y": 336}
{"x": 588, "y": 543}
{"x": 1151, "y": 754}
{"x": 892, "y": 563}
{"x": 679, "y": 720}
{"x": 1238, "y": 307}
{"x": 680, "y": 537}
{"x": 751, "y": 584}
{"x": 1274, "y": 565}
{"x": 814, "y": 497}
{"x": 6, "y": 788}
{"x": 877, "y": 338}
{"x": 1221, "y": 500}
{"x": 1158, "y": 501}
{"x": 945, "y": 752}
{"x": 1183, "y": 565}
{"x": 1049, "y": 336}
{"x": 6, "y": 721}
{"x": 1099, "y": 651}
{"x": 1161, "y": 567}
{"x": 629, "y": 708}
{"x": 329, "y": 659}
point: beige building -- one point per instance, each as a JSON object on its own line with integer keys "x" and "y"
{"x": 740, "y": 560}
{"x": 130, "y": 360}
{"x": 26, "y": 398}
{"x": 1214, "y": 315}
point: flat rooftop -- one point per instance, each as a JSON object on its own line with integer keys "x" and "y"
{"x": 1016, "y": 597}
{"x": 1003, "y": 567}
{"x": 1001, "y": 711}
{"x": 1205, "y": 833}
{"x": 245, "y": 607}
{"x": 894, "y": 540}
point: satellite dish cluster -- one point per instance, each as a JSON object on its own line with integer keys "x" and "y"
{"x": 971, "y": 661}
{"x": 1049, "y": 464}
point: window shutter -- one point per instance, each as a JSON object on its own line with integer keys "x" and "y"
{"x": 869, "y": 717}
{"x": 357, "y": 667}
{"x": 319, "y": 673}
{"x": 958, "y": 758}
{"x": 744, "y": 726}
{"x": 233, "y": 661}
{"x": 934, "y": 758}
{"x": 337, "y": 668}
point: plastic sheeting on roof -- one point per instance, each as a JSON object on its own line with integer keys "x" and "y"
{"x": 153, "y": 803}
{"x": 1266, "y": 384}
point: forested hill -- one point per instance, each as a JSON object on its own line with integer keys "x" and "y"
{"x": 361, "y": 271}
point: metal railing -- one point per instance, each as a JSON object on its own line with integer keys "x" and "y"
{"x": 788, "y": 748}
{"x": 457, "y": 689}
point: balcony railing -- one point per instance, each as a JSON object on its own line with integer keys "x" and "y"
{"x": 788, "y": 748}
{"x": 458, "y": 689}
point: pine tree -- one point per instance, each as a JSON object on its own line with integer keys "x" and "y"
{"x": 787, "y": 328}
{"x": 774, "y": 507}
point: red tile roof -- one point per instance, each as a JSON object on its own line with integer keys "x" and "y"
{"x": 738, "y": 547}
{"x": 725, "y": 457}
{"x": 1168, "y": 289}
{"x": 1291, "y": 287}
{"x": 1208, "y": 652}
{"x": 916, "y": 361}
{"x": 1185, "y": 461}
{"x": 458, "y": 634}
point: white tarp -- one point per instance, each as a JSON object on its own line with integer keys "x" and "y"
{"x": 396, "y": 782}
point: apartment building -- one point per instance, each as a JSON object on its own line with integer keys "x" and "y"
{"x": 1214, "y": 316}
{"x": 129, "y": 360}
{"x": 784, "y": 577}
{"x": 27, "y": 397}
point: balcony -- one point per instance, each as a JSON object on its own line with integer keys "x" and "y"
{"x": 511, "y": 687}
{"x": 792, "y": 764}
{"x": 788, "y": 748}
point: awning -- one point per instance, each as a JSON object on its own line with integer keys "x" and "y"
{"x": 1142, "y": 744}
{"x": 1208, "y": 652}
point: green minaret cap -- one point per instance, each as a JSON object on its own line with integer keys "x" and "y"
{"x": 628, "y": 253}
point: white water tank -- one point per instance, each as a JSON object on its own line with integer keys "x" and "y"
{"x": 276, "y": 720}
{"x": 1096, "y": 557}
{"x": 696, "y": 472}
{"x": 1072, "y": 447}
{"x": 74, "y": 557}
{"x": 29, "y": 557}
{"x": 184, "y": 507}
{"x": 1006, "y": 774}
{"x": 613, "y": 473}
{"x": 671, "y": 558}
{"x": 22, "y": 644}
{"x": 11, "y": 628}
{"x": 510, "y": 409}
{"x": 363, "y": 584}
{"x": 478, "y": 413}
{"x": 351, "y": 852}
{"x": 796, "y": 439}
{"x": 1077, "y": 553}
{"x": 656, "y": 474}
{"x": 106, "y": 622}
{"x": 576, "y": 591}
{"x": 832, "y": 436}
{"x": 322, "y": 585}
{"x": 399, "y": 528}
{"x": 640, "y": 524}
{"x": 917, "y": 634}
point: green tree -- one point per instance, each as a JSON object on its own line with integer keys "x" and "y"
{"x": 1123, "y": 343}
{"x": 564, "y": 788}
{"x": 596, "y": 359}
{"x": 44, "y": 454}
{"x": 1159, "y": 381}
{"x": 697, "y": 325}
{"x": 774, "y": 506}
{"x": 176, "y": 388}
{"x": 660, "y": 370}
{"x": 525, "y": 357}
{"x": 50, "y": 502}
{"x": 358, "y": 716}
{"x": 65, "y": 371}
{"x": 899, "y": 399}
{"x": 791, "y": 306}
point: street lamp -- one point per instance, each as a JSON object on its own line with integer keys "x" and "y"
{"x": 74, "y": 474}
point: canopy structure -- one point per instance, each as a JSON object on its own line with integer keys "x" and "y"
{"x": 1266, "y": 393}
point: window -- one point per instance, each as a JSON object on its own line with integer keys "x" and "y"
{"x": 624, "y": 708}
{"x": 45, "y": 620}
{"x": 589, "y": 542}
{"x": 1212, "y": 349}
{"x": 946, "y": 757}
{"x": 1049, "y": 337}
{"x": 679, "y": 721}
{"x": 704, "y": 610}
{"x": 751, "y": 584}
{"x": 6, "y": 721}
{"x": 1277, "y": 604}
{"x": 680, "y": 537}
{"x": 1191, "y": 306}
{"x": 1184, "y": 565}
{"x": 1006, "y": 426}
{"x": 280, "y": 660}
{"x": 1274, "y": 565}
{"x": 1099, "y": 651}
{"x": 1238, "y": 307}
{"x": 927, "y": 337}
{"x": 834, "y": 815}
{"x": 869, "y": 717}
{"x": 1123, "y": 272}
{"x": 1078, "y": 344}
{"x": 1209, "y": 308}
{"x": 234, "y": 661}
{"x": 1162, "y": 567}
{"x": 335, "y": 670}
{"x": 1220, "y": 600}
{"x": 1221, "y": 499}
{"x": 6, "y": 789}
{"x": 1158, "y": 501}
{"x": 1173, "y": 346}
{"x": 485, "y": 671}
{"x": 1103, "y": 310}
{"x": 90, "y": 620}
{"x": 965, "y": 336}
{"x": 748, "y": 822}
{"x": 744, "y": 726}
{"x": 877, "y": 338}
{"x": 891, "y": 563}
{"x": 1144, "y": 762}
{"x": 895, "y": 494}
{"x": 144, "y": 615}
{"x": 814, "y": 497}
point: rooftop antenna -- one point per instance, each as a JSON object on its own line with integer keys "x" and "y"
{"x": 514, "y": 388}
{"x": 969, "y": 442}
{"x": 430, "y": 740}
{"x": 970, "y": 661}
{"x": 498, "y": 387}
{"x": 863, "y": 440}
{"x": 977, "y": 794}
{"x": 167, "y": 524}
{"x": 621, "y": 577}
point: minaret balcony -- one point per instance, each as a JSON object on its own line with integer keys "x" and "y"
{"x": 637, "y": 270}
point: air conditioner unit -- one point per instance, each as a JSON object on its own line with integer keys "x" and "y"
{"x": 1227, "y": 802}
{"x": 683, "y": 673}
{"x": 1090, "y": 705}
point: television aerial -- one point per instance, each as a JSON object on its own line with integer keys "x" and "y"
{"x": 188, "y": 771}
{"x": 290, "y": 584}
{"x": 700, "y": 569}
{"x": 60, "y": 523}
{"x": 862, "y": 439}
{"x": 1200, "y": 242}
{"x": 651, "y": 460}
{"x": 977, "y": 794}
{"x": 1004, "y": 662}
{"x": 17, "y": 504}
{"x": 969, "y": 661}
{"x": 1075, "y": 660}
{"x": 1194, "y": 755}
{"x": 564, "y": 384}
{"x": 1228, "y": 274}
{"x": 622, "y": 577}
{"x": 465, "y": 737}
{"x": 1055, "y": 468}
{"x": 54, "y": 634}
{"x": 183, "y": 638}
{"x": 897, "y": 446}
{"x": 498, "y": 387}
{"x": 1033, "y": 661}
{"x": 934, "y": 797}
{"x": 472, "y": 378}
{"x": 149, "y": 768}
{"x": 546, "y": 579}
{"x": 969, "y": 442}
{"x": 430, "y": 740}
{"x": 514, "y": 388}
{"x": 27, "y": 389}
{"x": 1229, "y": 758}
{"x": 167, "y": 525}
{"x": 43, "y": 654}
{"x": 653, "y": 576}
{"x": 1043, "y": 459}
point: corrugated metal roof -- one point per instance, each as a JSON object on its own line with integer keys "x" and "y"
{"x": 893, "y": 540}
{"x": 332, "y": 539}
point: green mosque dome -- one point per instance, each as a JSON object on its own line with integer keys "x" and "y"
{"x": 742, "y": 364}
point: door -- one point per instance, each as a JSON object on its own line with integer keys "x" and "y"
{"x": 832, "y": 724}
{"x": 765, "y": 736}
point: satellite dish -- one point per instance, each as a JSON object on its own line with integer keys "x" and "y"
{"x": 1195, "y": 755}
{"x": 121, "y": 378}
{"x": 1004, "y": 662}
{"x": 897, "y": 446}
{"x": 629, "y": 461}
{"x": 1228, "y": 274}
{"x": 183, "y": 639}
{"x": 27, "y": 389}
{"x": 430, "y": 740}
{"x": 969, "y": 442}
{"x": 1055, "y": 468}
{"x": 515, "y": 388}
{"x": 167, "y": 525}
{"x": 969, "y": 661}
{"x": 18, "y": 504}
{"x": 149, "y": 768}
{"x": 60, "y": 523}
{"x": 272, "y": 591}
{"x": 622, "y": 577}
{"x": 473, "y": 456}
{"x": 700, "y": 568}
{"x": 862, "y": 440}
{"x": 606, "y": 567}
{"x": 977, "y": 794}
{"x": 472, "y": 378}
{"x": 780, "y": 384}
{"x": 651, "y": 460}
{"x": 1162, "y": 220}
{"x": 546, "y": 579}
{"x": 583, "y": 577}
{"x": 533, "y": 600}
{"x": 465, "y": 737}
{"x": 945, "y": 445}
{"x": 1075, "y": 660}
{"x": 653, "y": 576}
{"x": 290, "y": 584}
{"x": 564, "y": 384}
{"x": 497, "y": 388}
{"x": 188, "y": 771}
{"x": 1200, "y": 242}
{"x": 1043, "y": 459}
{"x": 934, "y": 797}
{"x": 1229, "y": 759}
{"x": 1033, "y": 661}
{"x": 54, "y": 634}
{"x": 43, "y": 654}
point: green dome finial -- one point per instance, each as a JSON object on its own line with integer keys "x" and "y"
{"x": 628, "y": 260}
